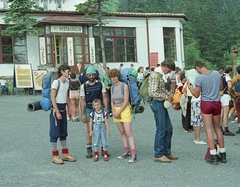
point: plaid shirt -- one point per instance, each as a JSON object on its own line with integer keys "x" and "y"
{"x": 156, "y": 87}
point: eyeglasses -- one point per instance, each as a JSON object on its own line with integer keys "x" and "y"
{"x": 91, "y": 75}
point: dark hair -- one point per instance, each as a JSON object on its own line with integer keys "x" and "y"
{"x": 62, "y": 67}
{"x": 220, "y": 68}
{"x": 147, "y": 68}
{"x": 121, "y": 64}
{"x": 177, "y": 69}
{"x": 238, "y": 69}
{"x": 158, "y": 65}
{"x": 228, "y": 69}
{"x": 107, "y": 68}
{"x": 182, "y": 76}
{"x": 169, "y": 63}
{"x": 139, "y": 68}
{"x": 73, "y": 76}
{"x": 199, "y": 64}
{"x": 114, "y": 73}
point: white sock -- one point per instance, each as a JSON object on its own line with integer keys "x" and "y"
{"x": 213, "y": 152}
{"x": 222, "y": 150}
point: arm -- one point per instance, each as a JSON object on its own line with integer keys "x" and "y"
{"x": 68, "y": 106}
{"x": 195, "y": 92}
{"x": 82, "y": 107}
{"x": 90, "y": 126}
{"x": 107, "y": 125}
{"x": 105, "y": 101}
{"x": 54, "y": 103}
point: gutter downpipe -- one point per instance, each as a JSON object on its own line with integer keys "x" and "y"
{"x": 148, "y": 48}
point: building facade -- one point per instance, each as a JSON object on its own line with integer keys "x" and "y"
{"x": 69, "y": 38}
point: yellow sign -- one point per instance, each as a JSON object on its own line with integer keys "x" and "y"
{"x": 23, "y": 76}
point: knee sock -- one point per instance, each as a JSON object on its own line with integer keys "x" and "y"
{"x": 126, "y": 149}
{"x": 134, "y": 151}
{"x": 54, "y": 146}
{"x": 63, "y": 144}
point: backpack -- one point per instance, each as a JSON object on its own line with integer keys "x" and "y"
{"x": 144, "y": 89}
{"x": 83, "y": 77}
{"x": 177, "y": 96}
{"x": 129, "y": 76}
{"x": 237, "y": 86}
{"x": 47, "y": 80}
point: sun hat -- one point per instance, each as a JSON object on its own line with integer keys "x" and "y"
{"x": 91, "y": 70}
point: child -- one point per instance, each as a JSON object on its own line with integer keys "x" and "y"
{"x": 99, "y": 124}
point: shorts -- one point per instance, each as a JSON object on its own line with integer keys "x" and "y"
{"x": 87, "y": 114}
{"x": 126, "y": 115}
{"x": 211, "y": 107}
{"x": 74, "y": 94}
{"x": 225, "y": 99}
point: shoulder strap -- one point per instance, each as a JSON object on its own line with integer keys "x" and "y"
{"x": 58, "y": 87}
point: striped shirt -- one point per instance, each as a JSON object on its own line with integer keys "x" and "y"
{"x": 210, "y": 86}
{"x": 156, "y": 87}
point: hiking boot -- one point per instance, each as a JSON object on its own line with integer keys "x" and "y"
{"x": 96, "y": 157}
{"x": 223, "y": 158}
{"x": 213, "y": 159}
{"x": 57, "y": 160}
{"x": 103, "y": 152}
{"x": 238, "y": 131}
{"x": 89, "y": 152}
{"x": 125, "y": 155}
{"x": 172, "y": 157}
{"x": 133, "y": 159}
{"x": 55, "y": 157}
{"x": 66, "y": 156}
{"x": 105, "y": 157}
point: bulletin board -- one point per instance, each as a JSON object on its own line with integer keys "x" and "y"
{"x": 23, "y": 75}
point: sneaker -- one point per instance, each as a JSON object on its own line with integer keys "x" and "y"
{"x": 125, "y": 155}
{"x": 238, "y": 131}
{"x": 68, "y": 157}
{"x": 111, "y": 114}
{"x": 213, "y": 159}
{"x": 228, "y": 133}
{"x": 200, "y": 142}
{"x": 133, "y": 159}
{"x": 57, "y": 160}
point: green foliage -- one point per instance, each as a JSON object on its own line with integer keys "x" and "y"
{"x": 19, "y": 18}
{"x": 211, "y": 66}
{"x": 213, "y": 25}
{"x": 191, "y": 54}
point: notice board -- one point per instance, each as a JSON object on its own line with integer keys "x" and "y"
{"x": 23, "y": 75}
{"x": 37, "y": 78}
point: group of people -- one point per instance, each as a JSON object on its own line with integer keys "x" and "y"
{"x": 98, "y": 101}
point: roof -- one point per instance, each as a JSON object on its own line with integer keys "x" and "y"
{"x": 69, "y": 19}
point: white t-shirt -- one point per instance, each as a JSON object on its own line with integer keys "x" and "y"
{"x": 98, "y": 117}
{"x": 3, "y": 82}
{"x": 62, "y": 92}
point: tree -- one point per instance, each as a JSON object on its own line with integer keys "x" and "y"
{"x": 19, "y": 18}
{"x": 96, "y": 9}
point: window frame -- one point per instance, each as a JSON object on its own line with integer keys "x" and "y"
{"x": 168, "y": 52}
{"x": 115, "y": 37}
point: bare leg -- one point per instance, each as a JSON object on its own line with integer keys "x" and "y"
{"x": 217, "y": 129}
{"x": 196, "y": 133}
{"x": 123, "y": 134}
{"x": 208, "y": 124}
{"x": 128, "y": 132}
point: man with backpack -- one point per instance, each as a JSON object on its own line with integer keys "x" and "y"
{"x": 58, "y": 116}
{"x": 90, "y": 90}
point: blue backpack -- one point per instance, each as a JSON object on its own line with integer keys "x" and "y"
{"x": 237, "y": 86}
{"x": 47, "y": 80}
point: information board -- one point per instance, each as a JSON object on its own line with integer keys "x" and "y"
{"x": 23, "y": 75}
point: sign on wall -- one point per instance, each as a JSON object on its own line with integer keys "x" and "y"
{"x": 42, "y": 49}
{"x": 92, "y": 50}
{"x": 37, "y": 78}
{"x": 66, "y": 29}
{"x": 23, "y": 75}
{"x": 70, "y": 51}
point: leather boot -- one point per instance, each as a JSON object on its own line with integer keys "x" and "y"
{"x": 55, "y": 157}
{"x": 213, "y": 159}
{"x": 89, "y": 152}
{"x": 223, "y": 158}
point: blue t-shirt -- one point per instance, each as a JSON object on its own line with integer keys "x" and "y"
{"x": 210, "y": 86}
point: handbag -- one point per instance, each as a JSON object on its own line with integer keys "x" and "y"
{"x": 222, "y": 91}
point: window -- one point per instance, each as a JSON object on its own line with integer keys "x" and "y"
{"x": 119, "y": 43}
{"x": 36, "y": 2}
{"x": 13, "y": 50}
{"x": 5, "y": 4}
{"x": 169, "y": 43}
{"x": 59, "y": 4}
{"x": 45, "y": 4}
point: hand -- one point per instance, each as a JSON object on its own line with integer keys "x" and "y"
{"x": 83, "y": 118}
{"x": 59, "y": 116}
{"x": 117, "y": 115}
{"x": 108, "y": 132}
{"x": 170, "y": 97}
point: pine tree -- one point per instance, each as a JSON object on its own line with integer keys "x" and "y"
{"x": 19, "y": 18}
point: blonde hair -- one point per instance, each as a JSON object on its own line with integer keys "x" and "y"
{"x": 96, "y": 101}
